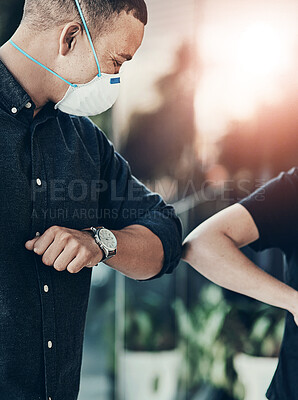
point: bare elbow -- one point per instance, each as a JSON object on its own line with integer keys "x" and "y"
{"x": 192, "y": 247}
{"x": 187, "y": 251}
{"x": 201, "y": 245}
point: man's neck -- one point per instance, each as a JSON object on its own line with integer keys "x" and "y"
{"x": 30, "y": 76}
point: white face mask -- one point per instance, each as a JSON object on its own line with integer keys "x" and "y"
{"x": 92, "y": 98}
{"x": 89, "y": 99}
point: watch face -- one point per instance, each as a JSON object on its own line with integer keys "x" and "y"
{"x": 108, "y": 239}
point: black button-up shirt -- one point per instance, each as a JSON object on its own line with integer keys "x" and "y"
{"x": 57, "y": 169}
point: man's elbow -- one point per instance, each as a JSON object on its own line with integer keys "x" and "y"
{"x": 151, "y": 266}
{"x": 157, "y": 266}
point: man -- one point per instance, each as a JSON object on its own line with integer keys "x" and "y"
{"x": 268, "y": 218}
{"x": 68, "y": 200}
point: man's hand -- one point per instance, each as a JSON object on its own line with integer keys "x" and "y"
{"x": 140, "y": 253}
{"x": 65, "y": 248}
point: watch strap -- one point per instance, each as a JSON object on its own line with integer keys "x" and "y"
{"x": 106, "y": 253}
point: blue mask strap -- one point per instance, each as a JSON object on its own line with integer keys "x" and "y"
{"x": 40, "y": 64}
{"x": 88, "y": 35}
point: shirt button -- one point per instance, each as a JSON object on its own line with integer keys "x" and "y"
{"x": 50, "y": 344}
{"x": 14, "y": 110}
{"x": 38, "y": 181}
{"x": 46, "y": 288}
{"x": 28, "y": 105}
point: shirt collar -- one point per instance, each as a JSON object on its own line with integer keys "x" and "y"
{"x": 13, "y": 97}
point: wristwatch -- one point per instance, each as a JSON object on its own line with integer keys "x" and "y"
{"x": 106, "y": 240}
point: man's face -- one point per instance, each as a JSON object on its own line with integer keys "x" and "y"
{"x": 115, "y": 45}
{"x": 120, "y": 44}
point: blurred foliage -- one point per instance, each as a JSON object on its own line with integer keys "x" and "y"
{"x": 214, "y": 330}
{"x": 207, "y": 358}
{"x": 161, "y": 143}
{"x": 104, "y": 122}
{"x": 147, "y": 327}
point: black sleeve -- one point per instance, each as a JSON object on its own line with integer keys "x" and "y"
{"x": 274, "y": 208}
{"x": 126, "y": 201}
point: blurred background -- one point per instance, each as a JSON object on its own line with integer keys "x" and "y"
{"x": 207, "y": 113}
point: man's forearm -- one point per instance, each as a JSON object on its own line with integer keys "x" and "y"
{"x": 140, "y": 253}
{"x": 216, "y": 256}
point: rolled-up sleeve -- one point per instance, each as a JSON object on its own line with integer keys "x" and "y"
{"x": 125, "y": 201}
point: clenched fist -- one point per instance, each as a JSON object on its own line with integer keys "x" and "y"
{"x": 65, "y": 248}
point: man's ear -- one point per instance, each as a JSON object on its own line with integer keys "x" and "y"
{"x": 68, "y": 37}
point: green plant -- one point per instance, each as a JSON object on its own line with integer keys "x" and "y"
{"x": 149, "y": 327}
{"x": 263, "y": 330}
{"x": 213, "y": 331}
{"x": 207, "y": 358}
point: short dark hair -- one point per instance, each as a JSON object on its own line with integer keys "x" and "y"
{"x": 44, "y": 14}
